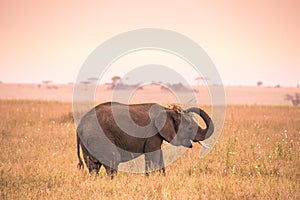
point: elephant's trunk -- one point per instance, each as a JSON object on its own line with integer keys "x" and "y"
{"x": 202, "y": 134}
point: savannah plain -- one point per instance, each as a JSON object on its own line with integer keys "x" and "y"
{"x": 256, "y": 157}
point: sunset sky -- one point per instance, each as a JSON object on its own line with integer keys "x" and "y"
{"x": 248, "y": 40}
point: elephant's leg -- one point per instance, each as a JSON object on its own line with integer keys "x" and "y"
{"x": 153, "y": 155}
{"x": 92, "y": 164}
{"x": 147, "y": 164}
{"x": 111, "y": 172}
{"x": 154, "y": 162}
{"x": 162, "y": 164}
{"x": 111, "y": 165}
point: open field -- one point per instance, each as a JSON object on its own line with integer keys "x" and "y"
{"x": 235, "y": 95}
{"x": 256, "y": 157}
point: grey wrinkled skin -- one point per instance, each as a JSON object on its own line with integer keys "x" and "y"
{"x": 112, "y": 133}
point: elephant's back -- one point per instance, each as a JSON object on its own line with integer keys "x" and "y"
{"x": 140, "y": 114}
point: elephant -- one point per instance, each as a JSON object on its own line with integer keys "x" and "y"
{"x": 113, "y": 132}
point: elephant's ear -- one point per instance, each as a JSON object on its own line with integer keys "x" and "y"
{"x": 165, "y": 124}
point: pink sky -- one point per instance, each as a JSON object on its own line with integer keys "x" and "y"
{"x": 248, "y": 41}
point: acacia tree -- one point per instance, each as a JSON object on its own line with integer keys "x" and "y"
{"x": 115, "y": 80}
{"x": 259, "y": 83}
{"x": 200, "y": 80}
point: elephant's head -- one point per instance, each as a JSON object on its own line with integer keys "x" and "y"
{"x": 180, "y": 127}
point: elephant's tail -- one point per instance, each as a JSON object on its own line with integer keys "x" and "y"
{"x": 80, "y": 163}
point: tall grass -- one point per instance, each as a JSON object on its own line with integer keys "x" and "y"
{"x": 256, "y": 157}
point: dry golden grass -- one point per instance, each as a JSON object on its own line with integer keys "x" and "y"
{"x": 256, "y": 157}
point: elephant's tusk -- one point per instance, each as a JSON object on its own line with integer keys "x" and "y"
{"x": 204, "y": 145}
